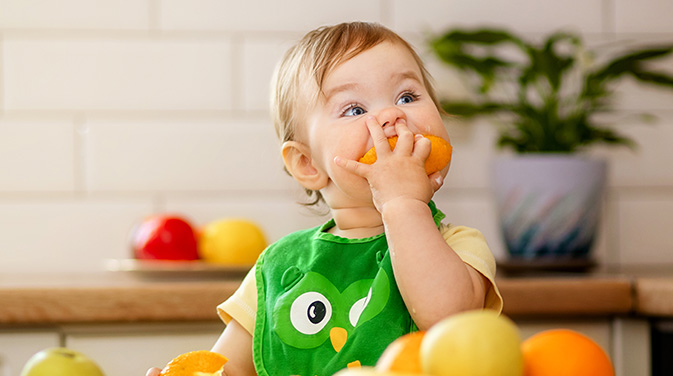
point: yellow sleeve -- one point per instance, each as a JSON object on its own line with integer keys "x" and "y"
{"x": 471, "y": 246}
{"x": 242, "y": 304}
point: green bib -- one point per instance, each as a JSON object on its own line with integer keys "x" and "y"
{"x": 325, "y": 302}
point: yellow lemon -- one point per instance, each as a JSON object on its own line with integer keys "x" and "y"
{"x": 231, "y": 242}
{"x": 473, "y": 343}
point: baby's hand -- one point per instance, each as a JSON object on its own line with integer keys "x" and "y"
{"x": 398, "y": 173}
{"x": 153, "y": 371}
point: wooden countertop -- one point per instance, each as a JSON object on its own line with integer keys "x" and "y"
{"x": 108, "y": 297}
{"x": 116, "y": 297}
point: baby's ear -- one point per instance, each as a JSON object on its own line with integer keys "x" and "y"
{"x": 299, "y": 163}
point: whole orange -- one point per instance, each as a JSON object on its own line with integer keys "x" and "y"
{"x": 195, "y": 363}
{"x": 562, "y": 352}
{"x": 402, "y": 355}
{"x": 440, "y": 153}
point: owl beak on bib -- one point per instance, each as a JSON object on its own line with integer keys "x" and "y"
{"x": 338, "y": 336}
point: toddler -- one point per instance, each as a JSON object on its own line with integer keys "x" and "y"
{"x": 334, "y": 296}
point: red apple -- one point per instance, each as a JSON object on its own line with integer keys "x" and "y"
{"x": 164, "y": 237}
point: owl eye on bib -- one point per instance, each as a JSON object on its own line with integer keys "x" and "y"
{"x": 313, "y": 310}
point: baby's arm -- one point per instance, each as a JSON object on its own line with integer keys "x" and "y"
{"x": 433, "y": 280}
{"x": 236, "y": 344}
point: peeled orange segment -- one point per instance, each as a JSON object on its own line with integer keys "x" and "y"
{"x": 195, "y": 363}
{"x": 440, "y": 153}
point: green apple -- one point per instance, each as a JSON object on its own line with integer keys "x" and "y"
{"x": 60, "y": 361}
{"x": 473, "y": 343}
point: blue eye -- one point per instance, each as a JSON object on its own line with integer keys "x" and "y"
{"x": 354, "y": 110}
{"x": 407, "y": 98}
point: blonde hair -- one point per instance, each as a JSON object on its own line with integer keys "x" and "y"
{"x": 301, "y": 72}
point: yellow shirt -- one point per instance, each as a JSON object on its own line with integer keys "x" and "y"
{"x": 468, "y": 243}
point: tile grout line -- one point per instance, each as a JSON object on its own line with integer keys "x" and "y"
{"x": 79, "y": 154}
{"x": 609, "y": 18}
{"x": 236, "y": 73}
{"x": 386, "y": 11}
{"x": 2, "y": 74}
{"x": 154, "y": 15}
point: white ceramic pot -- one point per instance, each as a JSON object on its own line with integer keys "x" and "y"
{"x": 548, "y": 204}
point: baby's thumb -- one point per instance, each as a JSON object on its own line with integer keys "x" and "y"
{"x": 153, "y": 371}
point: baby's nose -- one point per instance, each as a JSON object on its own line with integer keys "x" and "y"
{"x": 389, "y": 116}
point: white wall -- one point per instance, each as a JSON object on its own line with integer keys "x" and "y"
{"x": 111, "y": 110}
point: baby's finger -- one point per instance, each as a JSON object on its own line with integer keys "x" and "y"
{"x": 405, "y": 138}
{"x": 352, "y": 166}
{"x": 376, "y": 132}
{"x": 422, "y": 147}
{"x": 436, "y": 181}
{"x": 153, "y": 371}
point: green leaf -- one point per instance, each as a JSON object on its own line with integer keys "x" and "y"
{"x": 550, "y": 97}
{"x": 483, "y": 36}
{"x": 654, "y": 78}
{"x": 631, "y": 61}
{"x": 471, "y": 110}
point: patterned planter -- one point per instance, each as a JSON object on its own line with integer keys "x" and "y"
{"x": 548, "y": 205}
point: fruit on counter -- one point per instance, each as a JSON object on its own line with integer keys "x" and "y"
{"x": 231, "y": 242}
{"x": 372, "y": 371}
{"x": 403, "y": 354}
{"x": 60, "y": 361}
{"x": 473, "y": 343}
{"x": 164, "y": 237}
{"x": 440, "y": 153}
{"x": 483, "y": 343}
{"x": 558, "y": 352}
{"x": 195, "y": 363}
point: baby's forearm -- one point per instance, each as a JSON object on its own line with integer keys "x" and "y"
{"x": 236, "y": 344}
{"x": 433, "y": 280}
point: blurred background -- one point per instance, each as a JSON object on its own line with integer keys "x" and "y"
{"x": 113, "y": 110}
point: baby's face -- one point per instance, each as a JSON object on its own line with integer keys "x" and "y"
{"x": 384, "y": 81}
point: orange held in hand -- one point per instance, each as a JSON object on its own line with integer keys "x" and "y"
{"x": 560, "y": 352}
{"x": 440, "y": 154}
{"x": 195, "y": 363}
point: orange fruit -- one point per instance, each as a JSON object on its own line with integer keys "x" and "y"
{"x": 402, "y": 355}
{"x": 195, "y": 363}
{"x": 560, "y": 352}
{"x": 440, "y": 153}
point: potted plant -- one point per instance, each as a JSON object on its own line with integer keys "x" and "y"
{"x": 552, "y": 96}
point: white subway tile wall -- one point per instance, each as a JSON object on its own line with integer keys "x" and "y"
{"x": 113, "y": 110}
{"x": 37, "y": 155}
{"x": 83, "y": 72}
{"x": 523, "y": 15}
{"x": 75, "y": 14}
{"x": 266, "y": 16}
